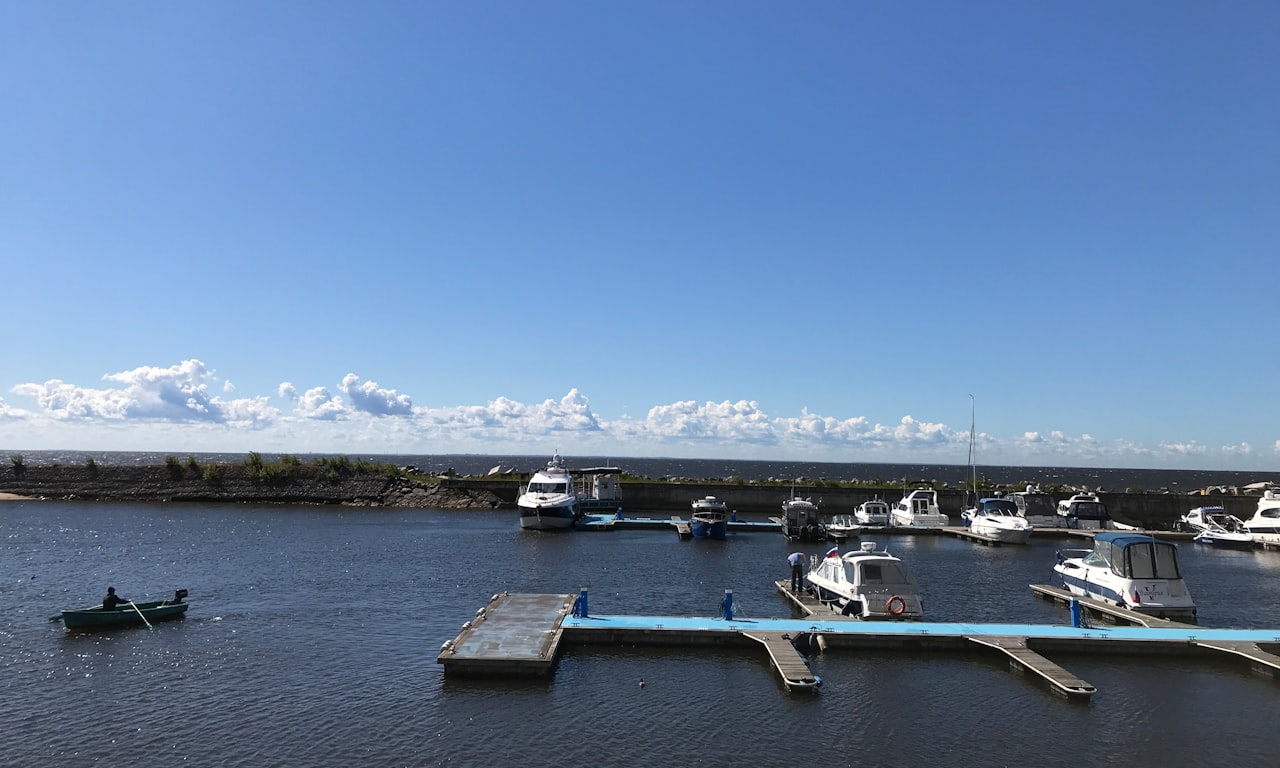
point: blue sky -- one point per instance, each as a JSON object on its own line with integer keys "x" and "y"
{"x": 708, "y": 229}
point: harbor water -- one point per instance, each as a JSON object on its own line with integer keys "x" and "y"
{"x": 313, "y": 634}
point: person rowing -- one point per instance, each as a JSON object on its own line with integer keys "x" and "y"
{"x": 112, "y": 600}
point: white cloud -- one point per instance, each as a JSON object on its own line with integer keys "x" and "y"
{"x": 176, "y": 406}
{"x": 177, "y": 393}
{"x": 370, "y": 398}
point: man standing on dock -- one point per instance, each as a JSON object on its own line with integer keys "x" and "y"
{"x": 796, "y": 559}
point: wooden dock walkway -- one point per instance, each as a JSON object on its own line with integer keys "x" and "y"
{"x": 791, "y": 666}
{"x": 1022, "y": 658}
{"x": 513, "y": 635}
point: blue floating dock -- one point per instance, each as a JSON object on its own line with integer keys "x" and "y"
{"x": 523, "y": 634}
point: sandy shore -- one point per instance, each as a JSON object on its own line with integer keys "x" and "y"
{"x": 12, "y": 497}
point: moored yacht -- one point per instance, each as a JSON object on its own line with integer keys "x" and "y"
{"x": 997, "y": 519}
{"x": 1037, "y": 507}
{"x": 800, "y": 520}
{"x": 1130, "y": 571}
{"x": 1216, "y": 526}
{"x": 872, "y": 513}
{"x": 919, "y": 508}
{"x": 549, "y": 501}
{"x": 709, "y": 518}
{"x": 868, "y": 583}
{"x": 1083, "y": 511}
{"x": 1265, "y": 523}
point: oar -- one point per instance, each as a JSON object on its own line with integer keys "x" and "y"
{"x": 144, "y": 618}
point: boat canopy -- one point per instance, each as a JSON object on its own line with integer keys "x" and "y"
{"x": 1137, "y": 557}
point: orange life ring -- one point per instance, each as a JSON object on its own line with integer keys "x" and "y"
{"x": 895, "y": 606}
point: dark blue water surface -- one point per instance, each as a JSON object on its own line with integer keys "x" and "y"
{"x": 313, "y": 634}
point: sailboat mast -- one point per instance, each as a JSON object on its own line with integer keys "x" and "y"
{"x": 973, "y": 456}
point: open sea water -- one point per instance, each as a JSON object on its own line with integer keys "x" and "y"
{"x": 313, "y": 633}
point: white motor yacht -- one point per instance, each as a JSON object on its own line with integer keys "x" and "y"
{"x": 1083, "y": 511}
{"x": 1265, "y": 523}
{"x": 997, "y": 519}
{"x": 1037, "y": 507}
{"x": 872, "y": 513}
{"x": 919, "y": 508}
{"x": 868, "y": 583}
{"x": 1215, "y": 526}
{"x": 1131, "y": 571}
{"x": 549, "y": 501}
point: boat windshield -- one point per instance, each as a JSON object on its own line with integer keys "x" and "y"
{"x": 1089, "y": 510}
{"x": 548, "y": 487}
{"x": 1000, "y": 507}
{"x": 1036, "y": 504}
{"x": 1143, "y": 563}
{"x": 884, "y": 573}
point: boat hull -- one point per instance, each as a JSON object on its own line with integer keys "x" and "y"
{"x": 708, "y": 529}
{"x": 1000, "y": 534}
{"x": 547, "y": 518}
{"x": 124, "y": 616}
{"x": 1159, "y": 601}
{"x": 1226, "y": 541}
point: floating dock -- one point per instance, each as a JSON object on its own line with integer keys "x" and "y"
{"x": 525, "y": 634}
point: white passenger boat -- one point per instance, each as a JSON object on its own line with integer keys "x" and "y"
{"x": 1037, "y": 507}
{"x": 709, "y": 519}
{"x": 1265, "y": 523}
{"x": 1083, "y": 511}
{"x": 549, "y": 501}
{"x": 868, "y": 583}
{"x": 1216, "y": 526}
{"x": 872, "y": 513}
{"x": 1130, "y": 571}
{"x": 997, "y": 519}
{"x": 919, "y": 508}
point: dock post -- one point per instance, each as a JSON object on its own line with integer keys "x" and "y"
{"x": 580, "y": 605}
{"x": 728, "y": 605}
{"x": 1075, "y": 613}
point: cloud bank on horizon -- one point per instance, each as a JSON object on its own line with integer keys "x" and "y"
{"x": 188, "y": 407}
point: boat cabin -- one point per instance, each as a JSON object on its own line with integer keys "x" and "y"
{"x": 1134, "y": 557}
{"x": 1083, "y": 510}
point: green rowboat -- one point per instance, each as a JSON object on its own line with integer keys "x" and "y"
{"x": 124, "y": 615}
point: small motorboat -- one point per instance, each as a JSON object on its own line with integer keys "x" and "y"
{"x": 1216, "y": 526}
{"x": 997, "y": 519}
{"x": 844, "y": 525}
{"x": 867, "y": 583}
{"x": 127, "y": 614}
{"x": 872, "y": 513}
{"x": 709, "y": 519}
{"x": 1130, "y": 571}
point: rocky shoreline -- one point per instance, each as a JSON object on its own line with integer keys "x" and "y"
{"x": 242, "y": 483}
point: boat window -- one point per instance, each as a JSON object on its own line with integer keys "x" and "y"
{"x": 1273, "y": 512}
{"x": 548, "y": 487}
{"x": 1167, "y": 561}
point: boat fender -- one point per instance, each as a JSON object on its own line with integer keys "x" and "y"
{"x": 895, "y": 605}
{"x": 822, "y": 643}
